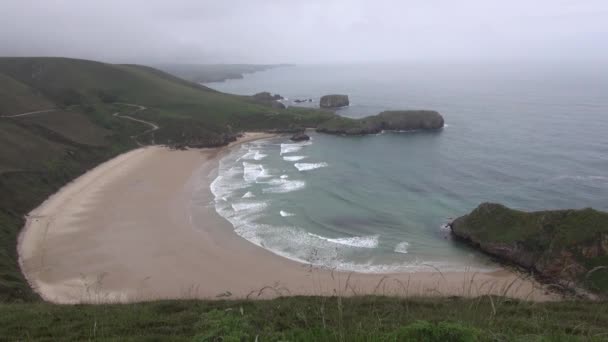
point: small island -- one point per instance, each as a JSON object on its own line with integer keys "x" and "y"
{"x": 403, "y": 120}
{"x": 568, "y": 248}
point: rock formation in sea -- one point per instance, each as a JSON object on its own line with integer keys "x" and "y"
{"x": 334, "y": 101}
{"x": 268, "y": 99}
{"x": 404, "y": 120}
{"x": 565, "y": 247}
{"x": 300, "y": 136}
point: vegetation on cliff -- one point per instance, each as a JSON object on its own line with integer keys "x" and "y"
{"x": 404, "y": 120}
{"x": 566, "y": 247}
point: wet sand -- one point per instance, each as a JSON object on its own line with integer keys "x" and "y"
{"x": 123, "y": 232}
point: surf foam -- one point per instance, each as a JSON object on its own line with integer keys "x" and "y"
{"x": 402, "y": 247}
{"x": 356, "y": 241}
{"x": 293, "y": 147}
{"x": 285, "y": 213}
{"x": 293, "y": 158}
{"x": 309, "y": 166}
{"x": 283, "y": 185}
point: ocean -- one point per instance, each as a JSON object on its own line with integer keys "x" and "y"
{"x": 529, "y": 137}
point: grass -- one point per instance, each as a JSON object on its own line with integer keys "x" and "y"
{"x": 16, "y": 97}
{"x": 310, "y": 319}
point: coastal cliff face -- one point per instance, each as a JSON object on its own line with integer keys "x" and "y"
{"x": 404, "y": 120}
{"x": 334, "y": 101}
{"x": 567, "y": 247}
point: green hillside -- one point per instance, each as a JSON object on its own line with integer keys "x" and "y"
{"x": 16, "y": 97}
{"x": 41, "y": 152}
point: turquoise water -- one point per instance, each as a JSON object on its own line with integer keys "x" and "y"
{"x": 527, "y": 137}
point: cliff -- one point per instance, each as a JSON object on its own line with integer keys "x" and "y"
{"x": 567, "y": 247}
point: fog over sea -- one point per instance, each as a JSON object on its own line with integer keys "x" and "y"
{"x": 530, "y": 137}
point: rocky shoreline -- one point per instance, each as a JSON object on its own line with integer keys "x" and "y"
{"x": 565, "y": 248}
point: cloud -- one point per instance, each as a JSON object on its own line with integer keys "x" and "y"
{"x": 313, "y": 31}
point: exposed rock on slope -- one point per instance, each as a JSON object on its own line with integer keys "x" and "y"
{"x": 569, "y": 247}
{"x": 268, "y": 99}
{"x": 334, "y": 101}
{"x": 389, "y": 120}
{"x": 300, "y": 136}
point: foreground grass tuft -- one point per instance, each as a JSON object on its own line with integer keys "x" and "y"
{"x": 311, "y": 319}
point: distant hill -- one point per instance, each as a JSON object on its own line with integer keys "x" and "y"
{"x": 206, "y": 73}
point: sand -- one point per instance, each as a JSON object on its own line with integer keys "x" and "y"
{"x": 123, "y": 232}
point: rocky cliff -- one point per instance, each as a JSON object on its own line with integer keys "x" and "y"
{"x": 567, "y": 247}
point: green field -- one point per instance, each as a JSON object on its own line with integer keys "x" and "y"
{"x": 40, "y": 153}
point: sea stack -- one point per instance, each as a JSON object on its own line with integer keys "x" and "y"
{"x": 334, "y": 101}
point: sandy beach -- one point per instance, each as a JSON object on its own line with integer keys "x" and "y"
{"x": 123, "y": 232}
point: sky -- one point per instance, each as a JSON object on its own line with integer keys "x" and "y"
{"x": 305, "y": 31}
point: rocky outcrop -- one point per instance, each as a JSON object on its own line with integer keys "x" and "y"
{"x": 301, "y": 136}
{"x": 268, "y": 99}
{"x": 567, "y": 247}
{"x": 404, "y": 120}
{"x": 334, "y": 101}
{"x": 266, "y": 96}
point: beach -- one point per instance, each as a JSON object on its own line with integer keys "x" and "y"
{"x": 124, "y": 232}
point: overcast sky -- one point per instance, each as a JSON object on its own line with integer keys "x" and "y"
{"x": 305, "y": 31}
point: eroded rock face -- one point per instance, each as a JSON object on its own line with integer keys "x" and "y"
{"x": 562, "y": 246}
{"x": 301, "y": 136}
{"x": 334, "y": 101}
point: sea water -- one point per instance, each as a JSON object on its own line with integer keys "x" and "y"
{"x": 528, "y": 137}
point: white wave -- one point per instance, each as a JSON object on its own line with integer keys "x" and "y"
{"x": 249, "y": 206}
{"x": 356, "y": 241}
{"x": 251, "y": 172}
{"x": 294, "y": 158}
{"x": 294, "y": 147}
{"x": 309, "y": 166}
{"x": 402, "y": 247}
{"x": 583, "y": 178}
{"x": 284, "y": 176}
{"x": 445, "y": 227}
{"x": 227, "y": 182}
{"x": 249, "y": 194}
{"x": 259, "y": 156}
{"x": 280, "y": 186}
{"x": 253, "y": 155}
{"x": 285, "y": 213}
